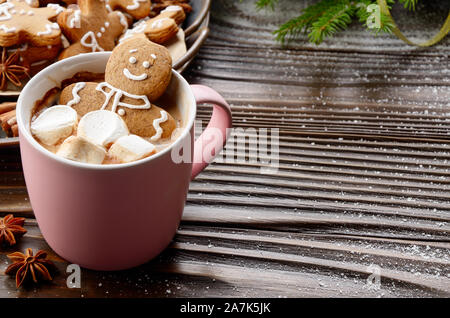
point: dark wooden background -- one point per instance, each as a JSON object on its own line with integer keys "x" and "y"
{"x": 363, "y": 178}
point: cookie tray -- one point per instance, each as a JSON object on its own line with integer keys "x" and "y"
{"x": 195, "y": 31}
{"x": 196, "y": 34}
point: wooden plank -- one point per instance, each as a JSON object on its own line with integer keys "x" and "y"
{"x": 363, "y": 176}
{"x": 214, "y": 261}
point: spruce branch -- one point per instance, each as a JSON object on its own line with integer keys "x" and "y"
{"x": 303, "y": 22}
{"x": 409, "y": 4}
{"x": 335, "y": 19}
{"x": 260, "y": 4}
{"x": 327, "y": 17}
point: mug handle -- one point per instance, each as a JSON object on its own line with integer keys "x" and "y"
{"x": 218, "y": 128}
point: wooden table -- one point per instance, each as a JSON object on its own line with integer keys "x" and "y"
{"x": 363, "y": 183}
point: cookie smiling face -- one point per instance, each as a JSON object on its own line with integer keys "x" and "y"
{"x": 140, "y": 67}
{"x": 133, "y": 60}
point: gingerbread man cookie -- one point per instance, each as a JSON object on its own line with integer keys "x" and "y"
{"x": 21, "y": 23}
{"x": 137, "y": 73}
{"x": 140, "y": 67}
{"x": 138, "y": 9}
{"x": 91, "y": 28}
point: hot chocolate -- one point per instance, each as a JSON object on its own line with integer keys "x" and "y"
{"x": 116, "y": 120}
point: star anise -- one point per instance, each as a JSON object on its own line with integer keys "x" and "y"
{"x": 10, "y": 70}
{"x": 26, "y": 266}
{"x": 10, "y": 229}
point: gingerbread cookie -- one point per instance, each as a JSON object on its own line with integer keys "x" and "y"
{"x": 87, "y": 97}
{"x": 21, "y": 23}
{"x": 91, "y": 28}
{"x": 32, "y": 54}
{"x": 140, "y": 67}
{"x": 174, "y": 12}
{"x": 138, "y": 9}
{"x": 161, "y": 30}
{"x": 159, "y": 5}
{"x": 31, "y": 3}
{"x": 44, "y": 3}
{"x": 137, "y": 73}
{"x": 158, "y": 30}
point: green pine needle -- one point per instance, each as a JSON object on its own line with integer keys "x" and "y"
{"x": 260, "y": 4}
{"x": 303, "y": 23}
{"x": 409, "y": 4}
{"x": 327, "y": 17}
{"x": 335, "y": 19}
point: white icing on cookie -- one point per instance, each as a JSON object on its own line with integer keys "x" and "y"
{"x": 39, "y": 63}
{"x": 172, "y": 8}
{"x": 135, "y": 4}
{"x": 158, "y": 23}
{"x": 108, "y": 7}
{"x": 93, "y": 44}
{"x": 138, "y": 27}
{"x": 118, "y": 95}
{"x": 146, "y": 64}
{"x": 49, "y": 29}
{"x": 64, "y": 41}
{"x": 156, "y": 124}
{"x": 121, "y": 112}
{"x": 5, "y": 29}
{"x": 75, "y": 97}
{"x": 132, "y": 60}
{"x": 133, "y": 77}
{"x": 133, "y": 51}
{"x": 4, "y": 11}
{"x": 55, "y": 7}
{"x": 123, "y": 20}
{"x": 74, "y": 22}
{"x": 153, "y": 56}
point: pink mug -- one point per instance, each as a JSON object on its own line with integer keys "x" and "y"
{"x": 113, "y": 217}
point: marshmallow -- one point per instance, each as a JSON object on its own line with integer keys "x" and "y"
{"x": 54, "y": 124}
{"x": 131, "y": 148}
{"x": 81, "y": 150}
{"x": 102, "y": 127}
